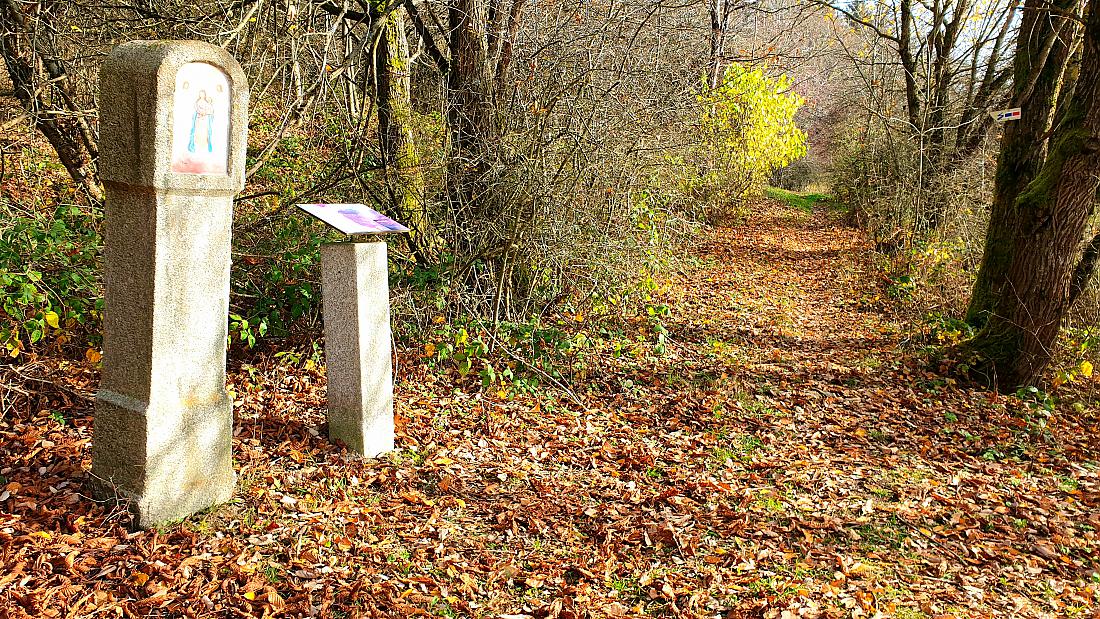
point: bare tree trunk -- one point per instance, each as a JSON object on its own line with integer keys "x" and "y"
{"x": 941, "y": 41}
{"x": 469, "y": 116}
{"x": 1051, "y": 215}
{"x": 908, "y": 64}
{"x": 719, "y": 25}
{"x": 501, "y": 38}
{"x": 43, "y": 88}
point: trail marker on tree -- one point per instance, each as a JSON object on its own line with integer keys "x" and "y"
{"x": 355, "y": 287}
{"x": 172, "y": 150}
{"x": 1004, "y": 115}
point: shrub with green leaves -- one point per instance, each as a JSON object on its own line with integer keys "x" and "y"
{"x": 276, "y": 276}
{"x": 49, "y": 286}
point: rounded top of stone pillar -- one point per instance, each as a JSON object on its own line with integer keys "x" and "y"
{"x": 173, "y": 116}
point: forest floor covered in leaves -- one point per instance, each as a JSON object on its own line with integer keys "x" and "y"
{"x": 789, "y": 455}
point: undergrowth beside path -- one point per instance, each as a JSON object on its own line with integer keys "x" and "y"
{"x": 786, "y": 456}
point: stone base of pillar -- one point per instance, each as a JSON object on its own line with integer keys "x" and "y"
{"x": 355, "y": 282}
{"x": 163, "y": 462}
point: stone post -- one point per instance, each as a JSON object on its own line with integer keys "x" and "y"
{"x": 355, "y": 286}
{"x": 173, "y": 122}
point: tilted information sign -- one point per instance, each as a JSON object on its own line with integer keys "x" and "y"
{"x": 353, "y": 218}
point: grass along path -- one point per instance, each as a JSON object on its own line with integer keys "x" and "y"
{"x": 785, "y": 457}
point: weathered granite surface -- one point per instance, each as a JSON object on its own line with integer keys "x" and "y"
{"x": 357, "y": 346}
{"x": 163, "y": 423}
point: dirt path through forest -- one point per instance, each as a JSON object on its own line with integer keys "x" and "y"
{"x": 949, "y": 501}
{"x": 784, "y": 457}
{"x": 792, "y": 281}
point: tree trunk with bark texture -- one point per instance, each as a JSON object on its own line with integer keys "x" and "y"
{"x": 1085, "y": 269}
{"x": 1050, "y": 216}
{"x": 404, "y": 177}
{"x": 908, "y": 63}
{"x": 469, "y": 118}
{"x": 1023, "y": 146}
{"x": 42, "y": 86}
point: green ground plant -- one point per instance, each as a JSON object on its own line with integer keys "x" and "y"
{"x": 49, "y": 285}
{"x": 804, "y": 202}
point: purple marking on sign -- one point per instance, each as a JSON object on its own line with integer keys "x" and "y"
{"x": 353, "y": 218}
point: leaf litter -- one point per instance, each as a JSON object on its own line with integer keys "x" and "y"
{"x": 788, "y": 456}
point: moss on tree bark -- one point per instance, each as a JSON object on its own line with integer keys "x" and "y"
{"x": 1044, "y": 239}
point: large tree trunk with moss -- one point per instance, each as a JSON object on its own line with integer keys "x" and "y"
{"x": 43, "y": 88}
{"x": 1042, "y": 52}
{"x": 1050, "y": 217}
{"x": 404, "y": 176}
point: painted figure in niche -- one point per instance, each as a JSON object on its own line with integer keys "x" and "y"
{"x": 202, "y": 124}
{"x": 200, "y": 142}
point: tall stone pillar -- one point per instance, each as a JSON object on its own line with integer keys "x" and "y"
{"x": 173, "y": 123}
{"x": 355, "y": 286}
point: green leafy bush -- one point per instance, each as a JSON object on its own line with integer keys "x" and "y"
{"x": 276, "y": 277}
{"x": 49, "y": 288}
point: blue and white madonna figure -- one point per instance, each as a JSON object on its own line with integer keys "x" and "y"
{"x": 200, "y": 137}
{"x": 202, "y": 125}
